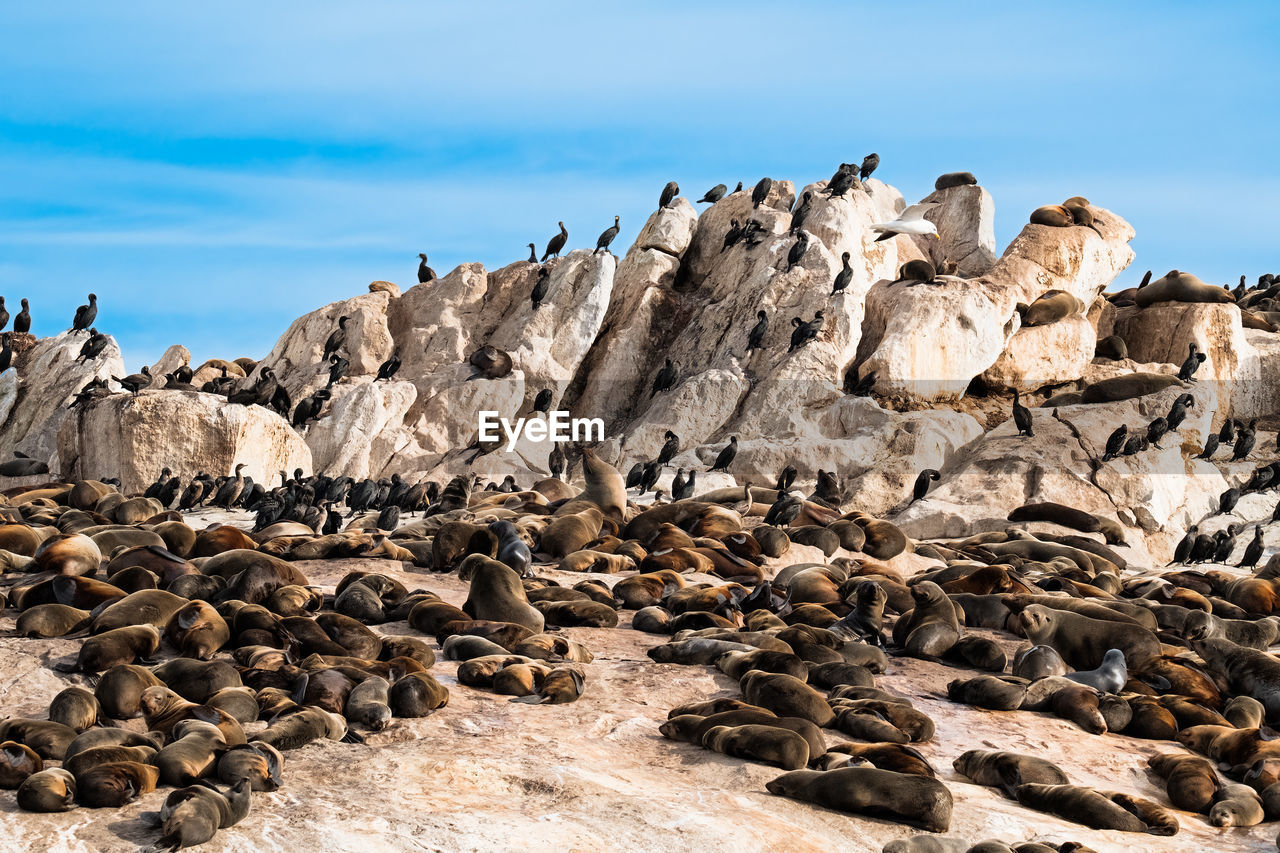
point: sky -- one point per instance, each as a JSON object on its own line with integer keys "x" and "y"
{"x": 213, "y": 171}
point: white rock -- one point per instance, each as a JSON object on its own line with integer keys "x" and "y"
{"x": 363, "y": 428}
{"x": 133, "y": 437}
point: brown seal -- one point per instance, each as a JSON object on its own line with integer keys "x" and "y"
{"x": 1084, "y": 642}
{"x": 46, "y": 621}
{"x": 766, "y": 744}
{"x": 52, "y": 790}
{"x": 191, "y": 755}
{"x": 1176, "y": 286}
{"x": 914, "y": 800}
{"x": 417, "y": 695}
{"x": 114, "y": 647}
{"x": 497, "y": 594}
{"x": 116, "y": 783}
{"x": 1007, "y": 770}
{"x": 75, "y": 708}
{"x": 258, "y": 762}
{"x": 1098, "y": 809}
{"x": 786, "y": 696}
{"x": 931, "y": 627}
{"x": 1191, "y": 781}
{"x": 17, "y": 762}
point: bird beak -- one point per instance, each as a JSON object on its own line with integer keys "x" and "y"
{"x": 937, "y": 236}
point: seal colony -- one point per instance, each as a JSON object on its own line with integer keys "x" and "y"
{"x": 845, "y": 665}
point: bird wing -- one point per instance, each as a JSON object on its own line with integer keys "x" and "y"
{"x": 916, "y": 211}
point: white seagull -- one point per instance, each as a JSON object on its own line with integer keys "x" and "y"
{"x": 910, "y": 221}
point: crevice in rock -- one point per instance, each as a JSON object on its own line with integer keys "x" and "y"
{"x": 1094, "y": 464}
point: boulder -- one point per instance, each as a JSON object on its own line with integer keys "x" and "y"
{"x": 297, "y": 356}
{"x": 132, "y": 437}
{"x": 965, "y": 217}
{"x": 1036, "y": 356}
{"x": 971, "y": 321}
{"x": 174, "y": 357}
{"x": 668, "y": 229}
{"x": 34, "y": 398}
{"x": 363, "y": 428}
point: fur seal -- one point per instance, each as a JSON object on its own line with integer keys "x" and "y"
{"x": 884, "y": 540}
{"x": 1054, "y": 215}
{"x": 258, "y": 762}
{"x": 76, "y": 708}
{"x": 17, "y": 762}
{"x": 417, "y": 695}
{"x": 991, "y": 692}
{"x": 193, "y": 815}
{"x": 1237, "y": 805}
{"x": 1190, "y": 781}
{"x": 1007, "y": 770}
{"x": 1038, "y": 662}
{"x": 1098, "y": 809}
{"x": 116, "y": 783}
{"x": 786, "y": 696}
{"x": 1082, "y": 641}
{"x": 766, "y": 744}
{"x": 52, "y": 790}
{"x": 955, "y": 179}
{"x": 497, "y": 594}
{"x": 117, "y": 646}
{"x": 1176, "y": 286}
{"x": 303, "y": 727}
{"x": 47, "y": 621}
{"x": 913, "y": 800}
{"x": 1112, "y": 348}
{"x": 1109, "y": 677}
{"x": 1050, "y": 307}
{"x": 197, "y": 630}
{"x": 192, "y": 754}
{"x": 82, "y": 761}
{"x": 605, "y": 487}
{"x": 931, "y": 627}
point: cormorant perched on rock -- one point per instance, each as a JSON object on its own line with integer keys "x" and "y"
{"x": 784, "y": 510}
{"x": 389, "y": 518}
{"x": 1210, "y": 446}
{"x": 22, "y": 323}
{"x": 1245, "y": 441}
{"x": 761, "y": 192}
{"x": 1253, "y": 553}
{"x": 677, "y": 484}
{"x": 869, "y": 164}
{"x": 1192, "y": 364}
{"x": 309, "y": 407}
{"x": 733, "y": 235}
{"x": 1203, "y": 548}
{"x": 154, "y": 489}
{"x": 634, "y": 475}
{"x": 845, "y": 179}
{"x": 649, "y": 476}
{"x": 607, "y": 235}
{"x": 685, "y": 491}
{"x": 425, "y": 273}
{"x": 1156, "y": 430}
{"x": 1178, "y": 411}
{"x": 1021, "y": 416}
{"x": 1226, "y": 543}
{"x": 756, "y": 336}
{"x": 338, "y": 369}
{"x": 921, "y": 488}
{"x": 85, "y": 315}
{"x": 1136, "y": 444}
{"x": 786, "y": 477}
{"x": 1115, "y": 443}
{"x": 665, "y": 378}
{"x": 801, "y": 212}
{"x": 669, "y": 449}
{"x": 6, "y": 352}
{"x": 540, "y": 287}
{"x": 4, "y": 314}
{"x": 1227, "y": 500}
{"x": 556, "y": 461}
{"x": 805, "y": 332}
{"x": 556, "y": 243}
{"x": 1227, "y": 435}
{"x": 191, "y": 494}
{"x": 337, "y": 338}
{"x": 754, "y": 233}
{"x": 738, "y": 189}
{"x": 533, "y": 254}
{"x": 93, "y": 347}
{"x": 135, "y": 382}
{"x": 1183, "y": 550}
{"x": 798, "y": 250}
{"x": 389, "y": 367}
{"x": 712, "y": 196}
{"x": 669, "y": 193}
{"x": 844, "y": 277}
{"x": 542, "y": 402}
{"x": 169, "y": 491}
{"x": 230, "y": 490}
{"x": 726, "y": 456}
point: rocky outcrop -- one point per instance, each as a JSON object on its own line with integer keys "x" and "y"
{"x": 297, "y": 356}
{"x": 971, "y": 322}
{"x": 133, "y": 437}
{"x": 174, "y": 357}
{"x": 34, "y": 396}
{"x": 966, "y": 221}
{"x": 363, "y": 429}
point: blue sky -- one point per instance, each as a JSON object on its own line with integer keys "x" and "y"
{"x": 213, "y": 172}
